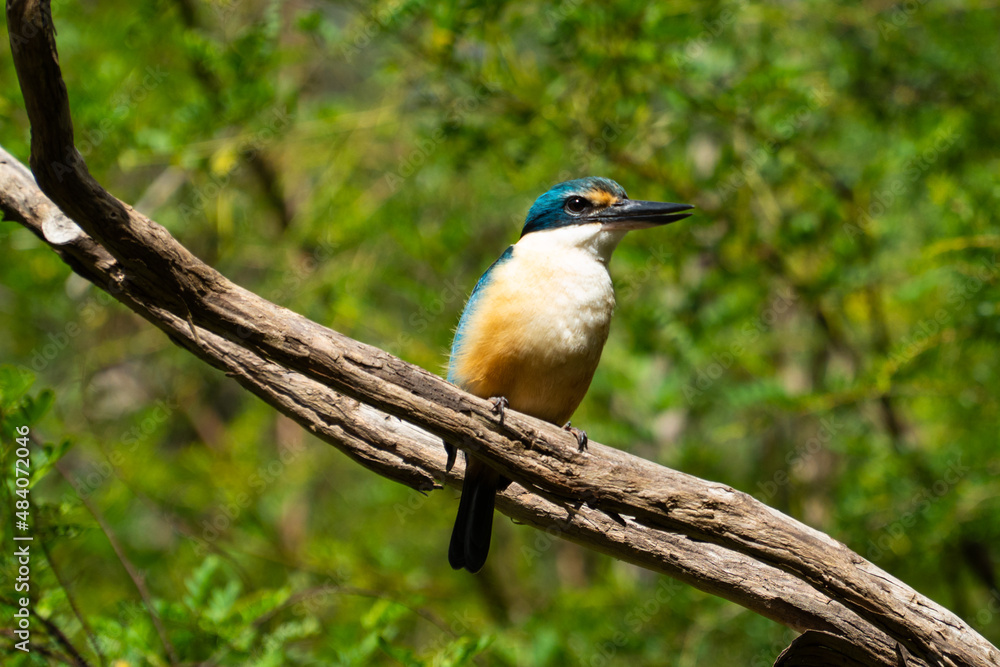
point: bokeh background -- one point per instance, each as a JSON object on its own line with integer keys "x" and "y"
{"x": 823, "y": 334}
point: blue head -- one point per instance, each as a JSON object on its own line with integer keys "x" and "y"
{"x": 596, "y": 200}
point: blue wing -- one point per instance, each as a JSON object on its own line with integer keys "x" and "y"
{"x": 470, "y": 307}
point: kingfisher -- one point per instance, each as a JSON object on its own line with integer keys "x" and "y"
{"x": 535, "y": 324}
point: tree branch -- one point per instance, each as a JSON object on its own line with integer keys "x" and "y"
{"x": 390, "y": 415}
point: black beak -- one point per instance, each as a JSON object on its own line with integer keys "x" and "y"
{"x": 631, "y": 214}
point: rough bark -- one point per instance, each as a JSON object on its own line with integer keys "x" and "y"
{"x": 390, "y": 416}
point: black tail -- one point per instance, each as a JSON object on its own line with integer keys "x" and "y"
{"x": 470, "y": 539}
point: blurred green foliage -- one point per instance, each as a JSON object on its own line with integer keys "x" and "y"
{"x": 823, "y": 334}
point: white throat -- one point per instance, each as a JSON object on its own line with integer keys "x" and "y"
{"x": 591, "y": 239}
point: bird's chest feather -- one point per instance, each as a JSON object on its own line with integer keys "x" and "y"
{"x": 536, "y": 332}
{"x": 552, "y": 310}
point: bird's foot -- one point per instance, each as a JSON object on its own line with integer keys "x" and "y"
{"x": 581, "y": 436}
{"x": 500, "y": 403}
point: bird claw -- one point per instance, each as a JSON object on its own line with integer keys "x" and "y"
{"x": 581, "y": 436}
{"x": 500, "y": 403}
{"x": 452, "y": 452}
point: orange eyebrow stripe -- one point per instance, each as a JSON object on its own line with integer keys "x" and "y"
{"x": 601, "y": 198}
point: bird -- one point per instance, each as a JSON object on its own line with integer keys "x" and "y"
{"x": 533, "y": 329}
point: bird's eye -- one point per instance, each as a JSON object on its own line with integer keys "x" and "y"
{"x": 576, "y": 205}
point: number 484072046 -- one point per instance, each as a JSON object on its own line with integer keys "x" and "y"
{"x": 21, "y": 473}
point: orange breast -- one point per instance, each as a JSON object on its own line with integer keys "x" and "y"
{"x": 536, "y": 338}
{"x": 549, "y": 392}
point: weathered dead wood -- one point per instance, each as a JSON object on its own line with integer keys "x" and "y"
{"x": 822, "y": 649}
{"x": 407, "y": 454}
{"x": 704, "y": 533}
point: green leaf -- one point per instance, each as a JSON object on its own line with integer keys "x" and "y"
{"x": 14, "y": 383}
{"x": 199, "y": 583}
{"x": 221, "y": 602}
{"x": 51, "y": 454}
{"x": 32, "y": 409}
